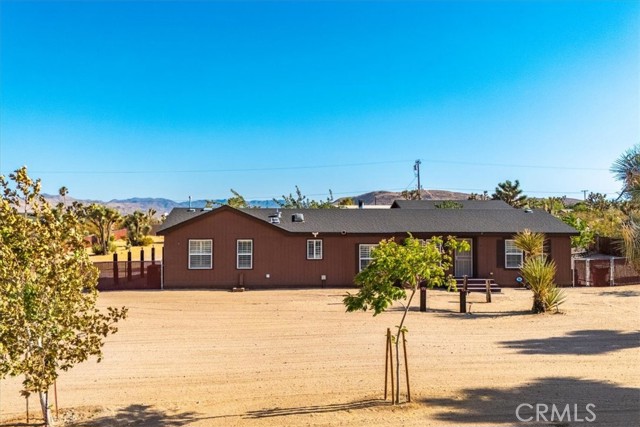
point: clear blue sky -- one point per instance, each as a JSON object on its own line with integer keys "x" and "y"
{"x": 169, "y": 99}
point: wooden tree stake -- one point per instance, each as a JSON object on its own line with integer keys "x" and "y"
{"x": 406, "y": 366}
{"x": 386, "y": 364}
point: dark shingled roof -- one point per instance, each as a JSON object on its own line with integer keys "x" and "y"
{"x": 180, "y": 215}
{"x": 466, "y": 204}
{"x": 387, "y": 221}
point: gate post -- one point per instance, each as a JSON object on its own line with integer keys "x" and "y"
{"x": 129, "y": 266}
{"x": 115, "y": 269}
{"x": 141, "y": 262}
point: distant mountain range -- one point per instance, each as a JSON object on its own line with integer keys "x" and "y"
{"x": 162, "y": 206}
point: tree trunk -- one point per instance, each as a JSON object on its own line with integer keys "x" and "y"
{"x": 406, "y": 310}
{"x": 44, "y": 405}
{"x": 538, "y": 305}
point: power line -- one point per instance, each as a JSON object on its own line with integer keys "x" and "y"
{"x": 301, "y": 167}
{"x": 265, "y": 169}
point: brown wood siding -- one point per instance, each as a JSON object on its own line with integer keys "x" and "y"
{"x": 283, "y": 256}
{"x": 280, "y": 255}
{"x": 490, "y": 247}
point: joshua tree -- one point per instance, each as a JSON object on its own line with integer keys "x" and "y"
{"x": 511, "y": 193}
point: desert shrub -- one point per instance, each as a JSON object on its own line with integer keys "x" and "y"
{"x": 146, "y": 241}
{"x": 98, "y": 250}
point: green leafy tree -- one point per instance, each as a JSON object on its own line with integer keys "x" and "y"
{"x": 48, "y": 316}
{"x": 510, "y": 193}
{"x": 237, "y": 201}
{"x": 476, "y": 196}
{"x": 300, "y": 201}
{"x": 587, "y": 236}
{"x": 400, "y": 268}
{"x": 449, "y": 204}
{"x": 598, "y": 202}
{"x": 138, "y": 225}
{"x": 553, "y": 205}
{"x": 346, "y": 201}
{"x": 411, "y": 194}
{"x": 101, "y": 221}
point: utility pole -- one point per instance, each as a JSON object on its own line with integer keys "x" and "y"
{"x": 416, "y": 168}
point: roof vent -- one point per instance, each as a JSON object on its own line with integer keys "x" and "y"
{"x": 298, "y": 217}
{"x": 274, "y": 219}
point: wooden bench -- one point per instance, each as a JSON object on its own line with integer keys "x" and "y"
{"x": 478, "y": 285}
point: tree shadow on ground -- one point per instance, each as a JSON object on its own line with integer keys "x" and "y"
{"x": 142, "y": 415}
{"x": 587, "y": 342}
{"x": 21, "y": 424}
{"x": 620, "y": 293}
{"x": 614, "y": 406}
{"x": 317, "y": 409}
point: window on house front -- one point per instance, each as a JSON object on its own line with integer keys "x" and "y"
{"x": 244, "y": 254}
{"x": 365, "y": 255}
{"x": 200, "y": 254}
{"x": 314, "y": 249}
{"x": 513, "y": 256}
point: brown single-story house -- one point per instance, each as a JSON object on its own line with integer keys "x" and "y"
{"x": 276, "y": 248}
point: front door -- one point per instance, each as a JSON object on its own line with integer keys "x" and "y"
{"x": 464, "y": 261}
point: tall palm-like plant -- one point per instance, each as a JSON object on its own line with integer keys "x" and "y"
{"x": 627, "y": 170}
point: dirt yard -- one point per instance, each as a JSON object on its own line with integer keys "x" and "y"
{"x": 295, "y": 358}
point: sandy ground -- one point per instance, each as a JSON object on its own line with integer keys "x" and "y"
{"x": 294, "y": 358}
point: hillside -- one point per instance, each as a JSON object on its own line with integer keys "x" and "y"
{"x": 161, "y": 205}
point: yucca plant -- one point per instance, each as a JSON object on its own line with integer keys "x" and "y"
{"x": 538, "y": 272}
{"x": 539, "y": 275}
{"x": 554, "y": 298}
{"x": 530, "y": 242}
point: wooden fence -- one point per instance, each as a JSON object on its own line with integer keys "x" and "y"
{"x": 130, "y": 275}
{"x": 604, "y": 271}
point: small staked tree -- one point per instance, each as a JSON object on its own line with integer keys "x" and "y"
{"x": 397, "y": 269}
{"x": 48, "y": 316}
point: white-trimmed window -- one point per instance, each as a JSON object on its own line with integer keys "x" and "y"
{"x": 365, "y": 254}
{"x": 513, "y": 256}
{"x": 314, "y": 249}
{"x": 244, "y": 254}
{"x": 200, "y": 254}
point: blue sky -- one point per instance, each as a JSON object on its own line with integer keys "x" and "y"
{"x": 169, "y": 99}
